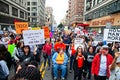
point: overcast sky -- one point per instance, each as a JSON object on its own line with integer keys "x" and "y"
{"x": 59, "y": 8}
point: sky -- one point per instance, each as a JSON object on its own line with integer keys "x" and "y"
{"x": 59, "y": 8}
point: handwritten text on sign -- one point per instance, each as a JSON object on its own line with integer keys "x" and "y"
{"x": 33, "y": 37}
{"x": 112, "y": 35}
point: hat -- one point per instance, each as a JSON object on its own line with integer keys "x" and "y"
{"x": 104, "y": 46}
{"x": 118, "y": 60}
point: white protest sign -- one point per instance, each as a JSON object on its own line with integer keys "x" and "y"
{"x": 33, "y": 37}
{"x": 78, "y": 42}
{"x": 112, "y": 35}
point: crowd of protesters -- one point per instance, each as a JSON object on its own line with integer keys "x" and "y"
{"x": 88, "y": 61}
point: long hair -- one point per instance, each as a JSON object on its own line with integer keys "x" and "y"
{"x": 78, "y": 48}
{"x": 92, "y": 48}
{"x": 3, "y": 50}
{"x": 28, "y": 48}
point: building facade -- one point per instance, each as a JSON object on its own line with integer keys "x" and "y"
{"x": 49, "y": 16}
{"x": 75, "y": 11}
{"x": 36, "y": 14}
{"x": 99, "y": 13}
{"x": 12, "y": 11}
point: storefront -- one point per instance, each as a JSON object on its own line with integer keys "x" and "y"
{"x": 100, "y": 23}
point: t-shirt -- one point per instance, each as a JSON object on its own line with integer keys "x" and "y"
{"x": 80, "y": 62}
{"x": 60, "y": 58}
{"x": 103, "y": 66}
{"x": 115, "y": 74}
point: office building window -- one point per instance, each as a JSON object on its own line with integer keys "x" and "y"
{"x": 34, "y": 3}
{"x": 34, "y": 8}
{"x": 21, "y": 14}
{"x": 28, "y": 8}
{"x": 28, "y": 3}
{"x": 34, "y": 19}
{"x": 14, "y": 12}
{"x": 26, "y": 15}
{"x": 34, "y": 14}
{"x": 4, "y": 7}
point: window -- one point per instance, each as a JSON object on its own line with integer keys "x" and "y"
{"x": 4, "y": 7}
{"x": 34, "y": 8}
{"x": 28, "y": 3}
{"x": 26, "y": 15}
{"x": 34, "y": 3}
{"x": 34, "y": 19}
{"x": 28, "y": 8}
{"x": 34, "y": 14}
{"x": 14, "y": 11}
{"x": 21, "y": 14}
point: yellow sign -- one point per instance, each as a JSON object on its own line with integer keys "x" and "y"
{"x": 36, "y": 28}
{"x": 21, "y": 26}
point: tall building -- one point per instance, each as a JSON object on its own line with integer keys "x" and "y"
{"x": 36, "y": 14}
{"x": 99, "y": 13}
{"x": 12, "y": 11}
{"x": 49, "y": 16}
{"x": 75, "y": 11}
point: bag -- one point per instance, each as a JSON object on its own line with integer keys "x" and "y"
{"x": 45, "y": 55}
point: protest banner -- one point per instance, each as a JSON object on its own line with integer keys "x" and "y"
{"x": 112, "y": 35}
{"x": 78, "y": 42}
{"x": 46, "y": 32}
{"x": 21, "y": 26}
{"x": 33, "y": 37}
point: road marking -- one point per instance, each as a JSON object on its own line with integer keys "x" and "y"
{"x": 41, "y": 69}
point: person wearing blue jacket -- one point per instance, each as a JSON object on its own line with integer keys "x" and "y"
{"x": 59, "y": 61}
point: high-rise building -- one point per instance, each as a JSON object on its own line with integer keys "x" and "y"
{"x": 99, "y": 13}
{"x": 12, "y": 11}
{"x": 36, "y": 14}
{"x": 49, "y": 16}
{"x": 75, "y": 11}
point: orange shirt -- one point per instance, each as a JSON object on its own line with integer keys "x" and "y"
{"x": 59, "y": 45}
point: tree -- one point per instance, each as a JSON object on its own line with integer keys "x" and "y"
{"x": 60, "y": 25}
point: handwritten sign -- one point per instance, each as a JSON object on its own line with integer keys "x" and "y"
{"x": 33, "y": 37}
{"x": 21, "y": 26}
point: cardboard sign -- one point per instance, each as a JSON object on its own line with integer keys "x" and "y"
{"x": 21, "y": 26}
{"x": 112, "y": 35}
{"x": 46, "y": 32}
{"x": 11, "y": 48}
{"x": 33, "y": 37}
{"x": 78, "y": 42}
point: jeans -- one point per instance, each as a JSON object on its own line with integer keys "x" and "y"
{"x": 57, "y": 67}
{"x": 45, "y": 60}
{"x": 71, "y": 62}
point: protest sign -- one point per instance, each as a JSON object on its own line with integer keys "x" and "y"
{"x": 46, "y": 32}
{"x": 11, "y": 48}
{"x": 33, "y": 37}
{"x": 112, "y": 35}
{"x": 21, "y": 26}
{"x": 78, "y": 42}
{"x": 1, "y": 32}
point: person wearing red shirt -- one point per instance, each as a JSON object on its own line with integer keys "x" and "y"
{"x": 78, "y": 63}
{"x": 47, "y": 50}
{"x": 101, "y": 63}
{"x": 73, "y": 51}
{"x": 59, "y": 44}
